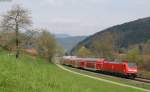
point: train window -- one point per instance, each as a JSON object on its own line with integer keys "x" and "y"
{"x": 132, "y": 65}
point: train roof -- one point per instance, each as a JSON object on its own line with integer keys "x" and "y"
{"x": 89, "y": 59}
{"x": 114, "y": 62}
{"x": 84, "y": 59}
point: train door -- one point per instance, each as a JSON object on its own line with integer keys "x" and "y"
{"x": 99, "y": 65}
{"x": 90, "y": 65}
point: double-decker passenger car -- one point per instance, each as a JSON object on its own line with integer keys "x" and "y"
{"x": 128, "y": 70}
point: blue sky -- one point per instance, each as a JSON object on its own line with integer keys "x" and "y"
{"x": 81, "y": 17}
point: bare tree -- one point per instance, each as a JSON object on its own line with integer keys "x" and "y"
{"x": 5, "y": 41}
{"x": 28, "y": 39}
{"x": 16, "y": 20}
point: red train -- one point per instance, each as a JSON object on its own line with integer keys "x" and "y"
{"x": 126, "y": 69}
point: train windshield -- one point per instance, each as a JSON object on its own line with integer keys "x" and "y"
{"x": 132, "y": 65}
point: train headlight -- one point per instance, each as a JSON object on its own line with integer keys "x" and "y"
{"x": 131, "y": 70}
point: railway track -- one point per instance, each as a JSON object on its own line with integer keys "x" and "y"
{"x": 138, "y": 79}
{"x": 142, "y": 80}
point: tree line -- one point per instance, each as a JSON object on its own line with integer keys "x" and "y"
{"x": 17, "y": 34}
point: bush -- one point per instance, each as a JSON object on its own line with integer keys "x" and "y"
{"x": 134, "y": 55}
{"x": 46, "y": 45}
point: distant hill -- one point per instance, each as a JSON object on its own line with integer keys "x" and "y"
{"x": 70, "y": 41}
{"x": 127, "y": 34}
{"x": 61, "y": 35}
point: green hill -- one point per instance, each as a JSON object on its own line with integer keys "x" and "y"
{"x": 69, "y": 42}
{"x": 127, "y": 34}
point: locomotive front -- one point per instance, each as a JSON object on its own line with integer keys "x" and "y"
{"x": 131, "y": 70}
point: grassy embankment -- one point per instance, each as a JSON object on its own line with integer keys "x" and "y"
{"x": 35, "y": 75}
{"x": 112, "y": 78}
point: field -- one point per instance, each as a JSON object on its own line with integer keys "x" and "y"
{"x": 28, "y": 74}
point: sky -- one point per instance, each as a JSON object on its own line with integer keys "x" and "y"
{"x": 80, "y": 17}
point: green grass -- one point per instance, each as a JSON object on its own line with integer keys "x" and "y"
{"x": 36, "y": 75}
{"x": 112, "y": 78}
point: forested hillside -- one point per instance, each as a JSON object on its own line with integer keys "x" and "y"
{"x": 124, "y": 35}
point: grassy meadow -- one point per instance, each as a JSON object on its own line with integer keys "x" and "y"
{"x": 28, "y": 74}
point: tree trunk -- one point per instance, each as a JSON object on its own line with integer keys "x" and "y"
{"x": 50, "y": 59}
{"x": 17, "y": 41}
